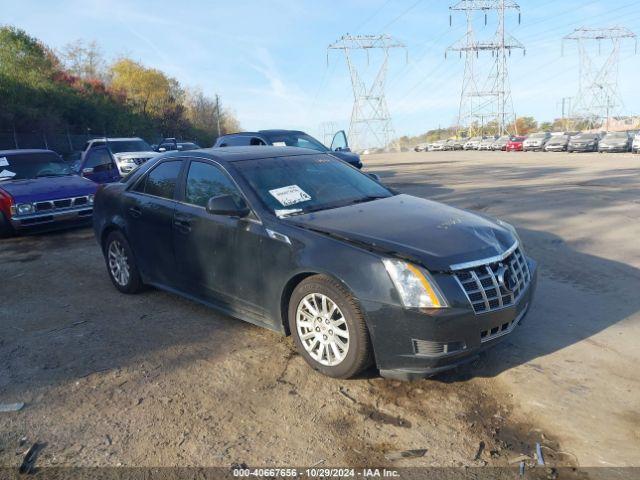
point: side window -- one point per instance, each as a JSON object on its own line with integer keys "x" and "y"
{"x": 97, "y": 144}
{"x": 99, "y": 160}
{"x": 237, "y": 141}
{"x": 257, "y": 141}
{"x": 205, "y": 181}
{"x": 161, "y": 180}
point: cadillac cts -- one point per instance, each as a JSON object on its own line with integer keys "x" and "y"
{"x": 305, "y": 244}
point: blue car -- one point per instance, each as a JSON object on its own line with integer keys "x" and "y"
{"x": 98, "y": 165}
{"x": 39, "y": 191}
{"x": 292, "y": 138}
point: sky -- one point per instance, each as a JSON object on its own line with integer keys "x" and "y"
{"x": 268, "y": 60}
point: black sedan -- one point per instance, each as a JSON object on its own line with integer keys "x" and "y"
{"x": 303, "y": 243}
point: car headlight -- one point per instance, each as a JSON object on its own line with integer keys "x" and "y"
{"x": 414, "y": 285}
{"x": 91, "y": 198}
{"x": 24, "y": 208}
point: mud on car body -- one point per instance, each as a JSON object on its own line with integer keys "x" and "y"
{"x": 304, "y": 244}
{"x": 38, "y": 190}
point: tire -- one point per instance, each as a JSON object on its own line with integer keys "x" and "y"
{"x": 6, "y": 230}
{"x": 117, "y": 249}
{"x": 348, "y": 317}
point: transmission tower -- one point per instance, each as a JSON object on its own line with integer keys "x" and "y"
{"x": 370, "y": 119}
{"x": 485, "y": 99}
{"x": 598, "y": 96}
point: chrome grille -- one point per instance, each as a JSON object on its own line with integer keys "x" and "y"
{"x": 482, "y": 285}
{"x": 61, "y": 204}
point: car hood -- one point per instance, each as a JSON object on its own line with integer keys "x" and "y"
{"x": 48, "y": 188}
{"x": 350, "y": 157}
{"x": 430, "y": 233}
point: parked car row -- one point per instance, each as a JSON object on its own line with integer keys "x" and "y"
{"x": 544, "y": 142}
{"x": 40, "y": 190}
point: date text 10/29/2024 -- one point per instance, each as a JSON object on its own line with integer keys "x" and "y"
{"x": 316, "y": 472}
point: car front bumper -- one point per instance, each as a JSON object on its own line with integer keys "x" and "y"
{"x": 613, "y": 148}
{"x": 532, "y": 148}
{"x": 582, "y": 148}
{"x": 402, "y": 338}
{"x": 555, "y": 148}
{"x": 53, "y": 219}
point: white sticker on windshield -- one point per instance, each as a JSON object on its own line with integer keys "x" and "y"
{"x": 7, "y": 174}
{"x": 4, "y": 162}
{"x": 279, "y": 144}
{"x": 290, "y": 195}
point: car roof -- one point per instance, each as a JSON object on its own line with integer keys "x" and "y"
{"x": 238, "y": 154}
{"x": 25, "y": 151}
{"x": 113, "y": 139}
{"x": 264, "y": 132}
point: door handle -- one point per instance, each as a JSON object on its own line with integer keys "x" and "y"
{"x": 135, "y": 212}
{"x": 183, "y": 224}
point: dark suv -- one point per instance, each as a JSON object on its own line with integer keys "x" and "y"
{"x": 292, "y": 138}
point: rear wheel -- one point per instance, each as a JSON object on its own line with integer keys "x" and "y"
{"x": 328, "y": 327}
{"x": 121, "y": 264}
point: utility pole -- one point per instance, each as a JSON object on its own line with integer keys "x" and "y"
{"x": 489, "y": 95}
{"x": 566, "y": 107}
{"x": 370, "y": 124}
{"x": 218, "y": 114}
{"x": 598, "y": 91}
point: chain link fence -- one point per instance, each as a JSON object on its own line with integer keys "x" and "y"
{"x": 65, "y": 144}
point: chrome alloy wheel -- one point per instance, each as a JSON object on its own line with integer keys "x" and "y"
{"x": 322, "y": 329}
{"x": 118, "y": 263}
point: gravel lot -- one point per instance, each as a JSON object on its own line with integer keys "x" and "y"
{"x": 156, "y": 380}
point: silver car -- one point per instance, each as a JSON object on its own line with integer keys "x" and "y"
{"x": 536, "y": 141}
{"x": 615, "y": 142}
{"x": 486, "y": 144}
{"x": 557, "y": 143}
{"x": 473, "y": 143}
{"x": 501, "y": 143}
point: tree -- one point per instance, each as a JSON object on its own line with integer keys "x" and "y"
{"x": 526, "y": 125}
{"x": 84, "y": 60}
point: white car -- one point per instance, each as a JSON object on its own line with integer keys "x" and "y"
{"x": 438, "y": 146}
{"x": 129, "y": 153}
{"x": 635, "y": 146}
{"x": 473, "y": 143}
{"x": 486, "y": 144}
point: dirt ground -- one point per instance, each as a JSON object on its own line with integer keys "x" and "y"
{"x": 155, "y": 380}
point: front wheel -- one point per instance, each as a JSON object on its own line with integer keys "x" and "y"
{"x": 6, "y": 230}
{"x": 121, "y": 264}
{"x": 328, "y": 327}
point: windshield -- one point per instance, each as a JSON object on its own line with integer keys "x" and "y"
{"x": 616, "y": 135}
{"x": 293, "y": 139}
{"x": 504, "y": 138}
{"x": 121, "y": 146}
{"x": 537, "y": 135}
{"x": 559, "y": 139}
{"x": 32, "y": 165}
{"x": 584, "y": 136}
{"x": 294, "y": 185}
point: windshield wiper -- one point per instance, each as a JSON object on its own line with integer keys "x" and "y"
{"x": 368, "y": 198}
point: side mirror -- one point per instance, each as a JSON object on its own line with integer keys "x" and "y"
{"x": 86, "y": 171}
{"x": 228, "y": 206}
{"x": 375, "y": 177}
{"x": 342, "y": 149}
